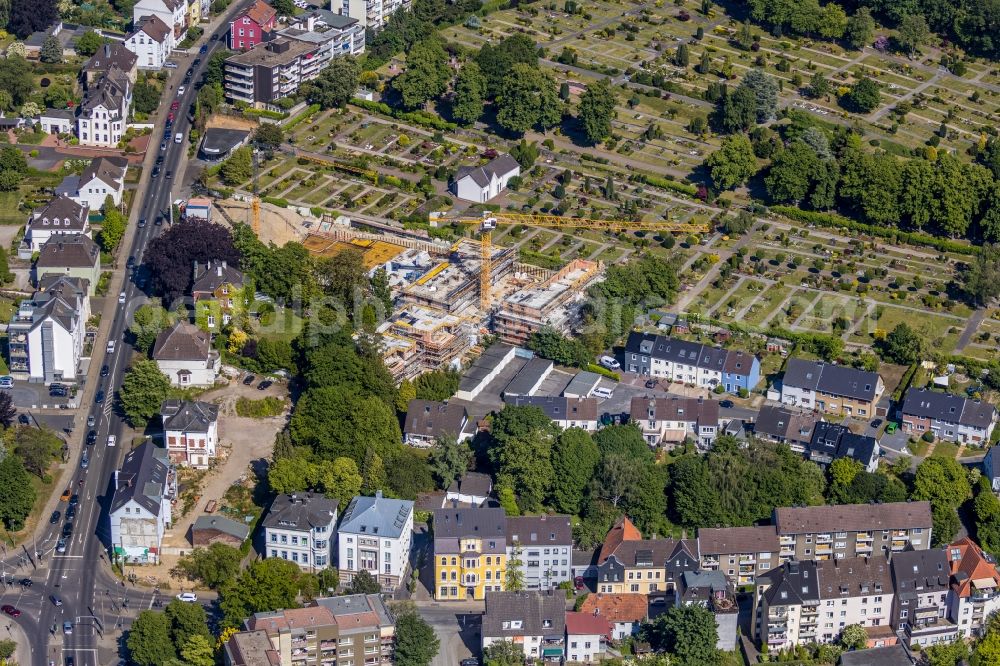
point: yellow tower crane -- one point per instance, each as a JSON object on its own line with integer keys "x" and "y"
{"x": 490, "y": 220}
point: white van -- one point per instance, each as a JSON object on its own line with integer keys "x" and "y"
{"x": 111, "y": 347}
{"x": 603, "y": 392}
{"x": 609, "y": 362}
{"x": 178, "y": 137}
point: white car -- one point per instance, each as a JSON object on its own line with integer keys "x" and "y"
{"x": 6, "y": 382}
{"x": 180, "y": 90}
{"x": 187, "y": 596}
{"x": 121, "y": 297}
{"x": 111, "y": 347}
{"x": 170, "y": 64}
{"x": 609, "y": 362}
{"x": 603, "y": 392}
{"x": 112, "y": 439}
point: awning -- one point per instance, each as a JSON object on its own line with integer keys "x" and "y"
{"x": 552, "y": 652}
{"x": 983, "y": 583}
{"x": 672, "y": 435}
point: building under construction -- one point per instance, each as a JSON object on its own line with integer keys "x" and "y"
{"x": 453, "y": 284}
{"x": 418, "y": 339}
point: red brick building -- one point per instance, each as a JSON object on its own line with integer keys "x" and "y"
{"x": 252, "y": 26}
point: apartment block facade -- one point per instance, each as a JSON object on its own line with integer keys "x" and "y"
{"x": 920, "y": 608}
{"x": 975, "y": 587}
{"x": 374, "y": 536}
{"x": 831, "y": 389}
{"x": 741, "y": 553}
{"x": 544, "y": 547}
{"x": 947, "y": 416}
{"x": 690, "y": 362}
{"x": 301, "y": 528}
{"x": 671, "y": 421}
{"x": 470, "y": 553}
{"x": 269, "y": 71}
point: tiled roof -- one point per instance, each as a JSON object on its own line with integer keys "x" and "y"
{"x": 690, "y": 353}
{"x": 142, "y": 478}
{"x": 674, "y": 409}
{"x": 723, "y": 540}
{"x": 182, "y": 342}
{"x": 153, "y": 26}
{"x": 894, "y": 655}
{"x": 971, "y": 568}
{"x": 949, "y": 408}
{"x": 300, "y": 511}
{"x": 260, "y": 13}
{"x": 222, "y": 524}
{"x": 429, "y": 418}
{"x": 621, "y": 531}
{"x": 853, "y": 517}
{"x": 831, "y": 379}
{"x": 587, "y": 624}
{"x": 628, "y": 607}
{"x": 188, "y": 416}
{"x": 558, "y": 408}
{"x": 782, "y": 423}
{"x": 110, "y": 171}
{"x": 482, "y": 175}
{"x": 60, "y": 213}
{"x": 480, "y": 523}
{"x": 76, "y": 251}
{"x": 215, "y": 274}
{"x": 926, "y": 569}
{"x": 553, "y": 530}
{"x": 472, "y": 483}
{"x": 291, "y": 619}
{"x": 791, "y": 584}
{"x": 854, "y": 577}
{"x": 111, "y": 55}
{"x": 540, "y": 613}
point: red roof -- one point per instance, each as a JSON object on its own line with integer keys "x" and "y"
{"x": 622, "y": 531}
{"x": 261, "y": 13}
{"x": 629, "y": 607}
{"x": 971, "y": 568}
{"x": 587, "y": 624}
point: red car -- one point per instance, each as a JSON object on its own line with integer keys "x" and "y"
{"x": 10, "y": 610}
{"x": 170, "y": 116}
{"x": 174, "y": 105}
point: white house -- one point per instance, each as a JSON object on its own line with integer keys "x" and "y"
{"x": 482, "y": 183}
{"x": 184, "y": 353}
{"x": 564, "y": 412}
{"x": 46, "y": 332}
{"x": 975, "y": 589}
{"x": 57, "y": 121}
{"x": 535, "y": 621}
{"x": 370, "y": 13}
{"x": 191, "y": 432}
{"x": 103, "y": 114}
{"x": 587, "y": 636}
{"x": 671, "y": 421}
{"x": 471, "y": 489}
{"x": 61, "y": 216}
{"x": 374, "y": 536}
{"x": 104, "y": 177}
{"x": 301, "y": 528}
{"x": 140, "y": 509}
{"x": 173, "y": 13}
{"x": 151, "y": 41}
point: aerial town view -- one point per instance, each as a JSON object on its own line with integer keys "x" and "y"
{"x": 499, "y": 332}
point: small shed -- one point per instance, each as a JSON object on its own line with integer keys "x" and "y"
{"x": 218, "y": 529}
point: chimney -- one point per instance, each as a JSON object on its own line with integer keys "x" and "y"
{"x": 223, "y": 263}
{"x": 218, "y": 270}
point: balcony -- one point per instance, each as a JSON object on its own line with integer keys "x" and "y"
{"x": 900, "y": 534}
{"x": 748, "y": 559}
{"x": 786, "y": 552}
{"x": 866, "y": 536}
{"x": 824, "y": 550}
{"x": 824, "y": 538}
{"x": 898, "y": 545}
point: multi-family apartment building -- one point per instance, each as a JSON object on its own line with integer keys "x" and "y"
{"x": 46, "y": 333}
{"x": 72, "y": 256}
{"x": 786, "y": 426}
{"x": 102, "y": 178}
{"x": 374, "y": 536}
{"x": 102, "y": 116}
{"x": 671, "y": 421}
{"x": 947, "y": 416}
{"x": 587, "y": 637}
{"x": 535, "y": 621}
{"x": 191, "y": 431}
{"x": 220, "y": 294}
{"x": 564, "y": 412}
{"x": 627, "y": 563}
{"x": 140, "y": 511}
{"x": 550, "y": 303}
{"x": 544, "y": 547}
{"x": 352, "y": 630}
{"x": 470, "y": 552}
{"x": 741, "y": 553}
{"x": 690, "y": 362}
{"x": 372, "y": 14}
{"x": 975, "y": 587}
{"x": 335, "y": 35}
{"x": 786, "y": 605}
{"x": 831, "y": 389}
{"x": 174, "y": 13}
{"x": 252, "y": 26}
{"x": 301, "y": 528}
{"x": 834, "y": 440}
{"x": 852, "y": 530}
{"x": 269, "y": 71}
{"x": 151, "y": 41}
{"x": 714, "y": 592}
{"x": 60, "y": 218}
{"x": 920, "y": 607}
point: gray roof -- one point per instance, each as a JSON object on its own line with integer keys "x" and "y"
{"x": 219, "y": 141}
{"x": 582, "y": 384}
{"x": 182, "y": 342}
{"x": 854, "y": 576}
{"x": 188, "y": 416}
{"x": 300, "y": 511}
{"x": 832, "y": 379}
{"x": 430, "y": 418}
{"x": 74, "y": 251}
{"x": 51, "y": 285}
{"x": 353, "y": 604}
{"x": 61, "y": 213}
{"x": 791, "y": 584}
{"x": 483, "y": 366}
{"x": 281, "y": 51}
{"x": 674, "y": 408}
{"x": 472, "y": 483}
{"x": 731, "y": 361}
{"x": 559, "y": 408}
{"x": 62, "y": 114}
{"x": 893, "y": 655}
{"x": 214, "y": 274}
{"x": 153, "y": 26}
{"x": 332, "y": 19}
{"x": 949, "y": 408}
{"x": 553, "y": 530}
{"x": 482, "y": 175}
{"x": 725, "y": 540}
{"x": 703, "y": 585}
{"x": 143, "y": 478}
{"x": 108, "y": 92}
{"x": 482, "y": 523}
{"x": 529, "y": 376}
{"x": 540, "y": 613}
{"x": 784, "y": 424}
{"x": 222, "y": 524}
{"x": 111, "y": 55}
{"x": 853, "y": 517}
{"x": 108, "y": 170}
{"x": 926, "y": 569}
{"x": 376, "y": 516}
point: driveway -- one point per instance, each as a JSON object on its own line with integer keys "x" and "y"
{"x": 34, "y": 396}
{"x": 458, "y": 627}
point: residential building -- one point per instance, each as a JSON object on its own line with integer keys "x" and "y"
{"x": 564, "y": 412}
{"x": 109, "y": 57}
{"x": 194, "y": 12}
{"x": 191, "y": 432}
{"x": 184, "y": 353}
{"x": 991, "y": 467}
{"x": 544, "y": 546}
{"x": 270, "y": 71}
{"x": 335, "y": 35}
{"x": 220, "y": 293}
{"x": 46, "y": 333}
{"x": 60, "y": 219}
{"x": 372, "y": 14}
{"x": 831, "y": 389}
{"x": 374, "y": 536}
{"x": 854, "y": 590}
{"x": 470, "y": 552}
{"x": 786, "y": 426}
{"x": 975, "y": 587}
{"x": 627, "y": 563}
{"x": 690, "y": 362}
{"x": 851, "y": 530}
{"x": 479, "y": 184}
{"x": 102, "y": 116}
{"x": 587, "y": 637}
{"x": 352, "y": 629}
{"x": 626, "y": 612}
{"x": 301, "y": 528}
{"x": 104, "y": 177}
{"x": 428, "y": 420}
{"x": 472, "y": 489}
{"x": 140, "y": 510}
{"x": 174, "y": 13}
{"x": 151, "y": 41}
{"x": 671, "y": 421}
{"x": 536, "y": 621}
{"x": 207, "y": 530}
{"x": 920, "y": 607}
{"x": 834, "y": 440}
{"x": 57, "y": 121}
{"x": 72, "y": 256}
{"x": 713, "y": 591}
{"x": 252, "y": 26}
{"x": 787, "y": 606}
{"x": 741, "y": 553}
{"x": 947, "y": 416}
{"x": 418, "y": 339}
{"x": 894, "y": 655}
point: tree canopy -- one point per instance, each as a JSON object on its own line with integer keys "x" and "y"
{"x": 143, "y": 390}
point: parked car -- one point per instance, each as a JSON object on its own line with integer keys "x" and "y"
{"x": 54, "y": 518}
{"x": 603, "y": 392}
{"x": 27, "y": 582}
{"x": 891, "y": 427}
{"x": 23, "y": 419}
{"x": 6, "y": 382}
{"x": 189, "y": 597}
{"x": 651, "y": 383}
{"x": 578, "y": 583}
{"x": 609, "y": 362}
{"x": 249, "y": 379}
{"x": 726, "y": 404}
{"x": 876, "y": 423}
{"x": 170, "y": 64}
{"x": 65, "y": 495}
{"x": 10, "y": 610}
{"x": 264, "y": 385}
{"x": 156, "y": 170}
{"x": 204, "y": 48}
{"x": 163, "y": 146}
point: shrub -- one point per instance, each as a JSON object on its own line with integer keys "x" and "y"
{"x": 928, "y": 437}
{"x": 260, "y": 409}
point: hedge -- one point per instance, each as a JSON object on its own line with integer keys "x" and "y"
{"x": 283, "y": 203}
{"x": 905, "y": 382}
{"x": 306, "y": 113}
{"x": 264, "y": 113}
{"x": 910, "y": 237}
{"x": 601, "y": 370}
{"x": 666, "y": 184}
{"x": 422, "y": 118}
{"x": 259, "y": 409}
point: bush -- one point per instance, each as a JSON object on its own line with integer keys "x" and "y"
{"x": 260, "y": 409}
{"x": 601, "y": 370}
{"x": 302, "y": 117}
{"x": 928, "y": 437}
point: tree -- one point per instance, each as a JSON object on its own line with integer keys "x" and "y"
{"x": 171, "y": 255}
{"x": 449, "y": 460}
{"x": 336, "y": 421}
{"x": 284, "y": 7}
{"x": 37, "y": 447}
{"x": 213, "y": 566}
{"x": 51, "y": 51}
{"x": 497, "y": 61}
{"x": 503, "y": 653}
{"x": 17, "y": 493}
{"x": 549, "y": 343}
{"x": 688, "y": 633}
{"x": 112, "y": 229}
{"x": 913, "y": 32}
{"x": 765, "y": 91}
{"x": 264, "y": 585}
{"x": 574, "y": 460}
{"x": 268, "y": 136}
{"x": 819, "y": 86}
{"x": 988, "y": 649}
{"x": 980, "y": 279}
{"x": 864, "y": 96}
{"x": 28, "y": 16}
{"x": 143, "y": 390}
{"x": 903, "y": 345}
{"x": 438, "y": 385}
{"x": 470, "y": 94}
{"x": 597, "y": 109}
{"x": 364, "y": 583}
{"x": 426, "y": 75}
{"x": 88, "y": 43}
{"x": 238, "y": 167}
{"x": 147, "y": 322}
{"x": 737, "y": 112}
{"x": 8, "y": 412}
{"x": 415, "y": 641}
{"x": 186, "y": 620}
{"x": 340, "y": 479}
{"x": 853, "y": 637}
{"x": 528, "y": 98}
{"x": 335, "y": 85}
{"x": 833, "y": 21}
{"x": 733, "y": 163}
{"x": 16, "y": 77}
{"x": 198, "y": 651}
{"x": 860, "y": 28}
{"x": 682, "y": 58}
{"x": 148, "y": 641}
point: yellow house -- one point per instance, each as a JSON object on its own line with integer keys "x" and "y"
{"x": 194, "y": 12}
{"x": 470, "y": 553}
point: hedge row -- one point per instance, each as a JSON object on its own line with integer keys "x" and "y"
{"x": 666, "y": 184}
{"x": 264, "y": 113}
{"x": 422, "y": 118}
{"x": 306, "y": 114}
{"x": 283, "y": 203}
{"x": 601, "y": 370}
{"x": 889, "y": 233}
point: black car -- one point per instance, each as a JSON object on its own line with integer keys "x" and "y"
{"x": 99, "y": 398}
{"x": 189, "y": 73}
{"x": 67, "y": 530}
{"x": 248, "y": 380}
{"x": 876, "y": 423}
{"x": 215, "y": 38}
{"x": 105, "y": 371}
{"x": 197, "y": 61}
{"x": 264, "y": 384}
{"x": 70, "y": 513}
{"x": 74, "y": 500}
{"x": 58, "y": 391}
{"x": 156, "y": 171}
{"x": 54, "y": 518}
{"x": 91, "y": 438}
{"x": 651, "y": 383}
{"x": 203, "y": 49}
{"x": 131, "y": 262}
{"x": 170, "y": 174}
{"x": 159, "y": 220}
{"x": 26, "y": 582}
{"x": 142, "y": 222}
{"x": 23, "y": 419}
{"x": 159, "y": 159}
{"x": 471, "y": 661}
{"x": 726, "y": 404}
